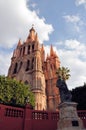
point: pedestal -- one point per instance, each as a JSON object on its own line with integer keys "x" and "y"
{"x": 68, "y": 117}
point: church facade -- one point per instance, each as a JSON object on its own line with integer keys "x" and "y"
{"x": 29, "y": 65}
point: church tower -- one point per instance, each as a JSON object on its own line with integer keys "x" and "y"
{"x": 28, "y": 65}
{"x": 51, "y": 65}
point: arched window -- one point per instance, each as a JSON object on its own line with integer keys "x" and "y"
{"x": 15, "y": 68}
{"x": 28, "y": 65}
{"x": 29, "y": 49}
{"x": 32, "y": 63}
{"x": 33, "y": 48}
{"x": 24, "y": 50}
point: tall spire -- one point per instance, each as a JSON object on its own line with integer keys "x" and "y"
{"x": 19, "y": 43}
{"x": 51, "y": 51}
{"x": 32, "y": 35}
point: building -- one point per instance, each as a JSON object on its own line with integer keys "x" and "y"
{"x": 29, "y": 65}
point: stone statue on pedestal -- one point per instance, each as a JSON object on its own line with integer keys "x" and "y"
{"x": 68, "y": 117}
{"x": 65, "y": 94}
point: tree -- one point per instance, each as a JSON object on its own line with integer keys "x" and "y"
{"x": 14, "y": 93}
{"x": 63, "y": 73}
{"x": 79, "y": 96}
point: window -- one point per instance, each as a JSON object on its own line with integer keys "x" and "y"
{"x": 15, "y": 68}
{"x": 28, "y": 65}
{"x": 24, "y": 50}
{"x": 29, "y": 49}
{"x": 33, "y": 48}
{"x": 32, "y": 63}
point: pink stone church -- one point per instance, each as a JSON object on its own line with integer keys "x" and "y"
{"x": 29, "y": 65}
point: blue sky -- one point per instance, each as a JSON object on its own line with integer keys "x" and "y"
{"x": 54, "y": 12}
{"x": 61, "y": 23}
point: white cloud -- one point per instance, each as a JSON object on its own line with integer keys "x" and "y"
{"x": 72, "y": 57}
{"x": 71, "y": 54}
{"x": 33, "y": 5}
{"x": 80, "y": 2}
{"x": 72, "y": 18}
{"x": 5, "y": 60}
{"x": 75, "y": 22}
{"x": 74, "y": 44}
{"x": 15, "y": 21}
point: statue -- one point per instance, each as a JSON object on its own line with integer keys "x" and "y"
{"x": 65, "y": 94}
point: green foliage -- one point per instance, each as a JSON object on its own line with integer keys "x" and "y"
{"x": 63, "y": 73}
{"x": 14, "y": 93}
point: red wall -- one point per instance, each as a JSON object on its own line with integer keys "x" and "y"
{"x": 13, "y": 118}
{"x": 43, "y": 120}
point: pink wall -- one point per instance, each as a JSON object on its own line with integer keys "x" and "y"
{"x": 13, "y": 118}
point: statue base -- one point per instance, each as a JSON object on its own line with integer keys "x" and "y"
{"x": 68, "y": 117}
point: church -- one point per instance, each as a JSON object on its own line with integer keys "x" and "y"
{"x": 29, "y": 65}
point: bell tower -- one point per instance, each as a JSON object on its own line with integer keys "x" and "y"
{"x": 51, "y": 65}
{"x": 26, "y": 66}
{"x": 29, "y": 65}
